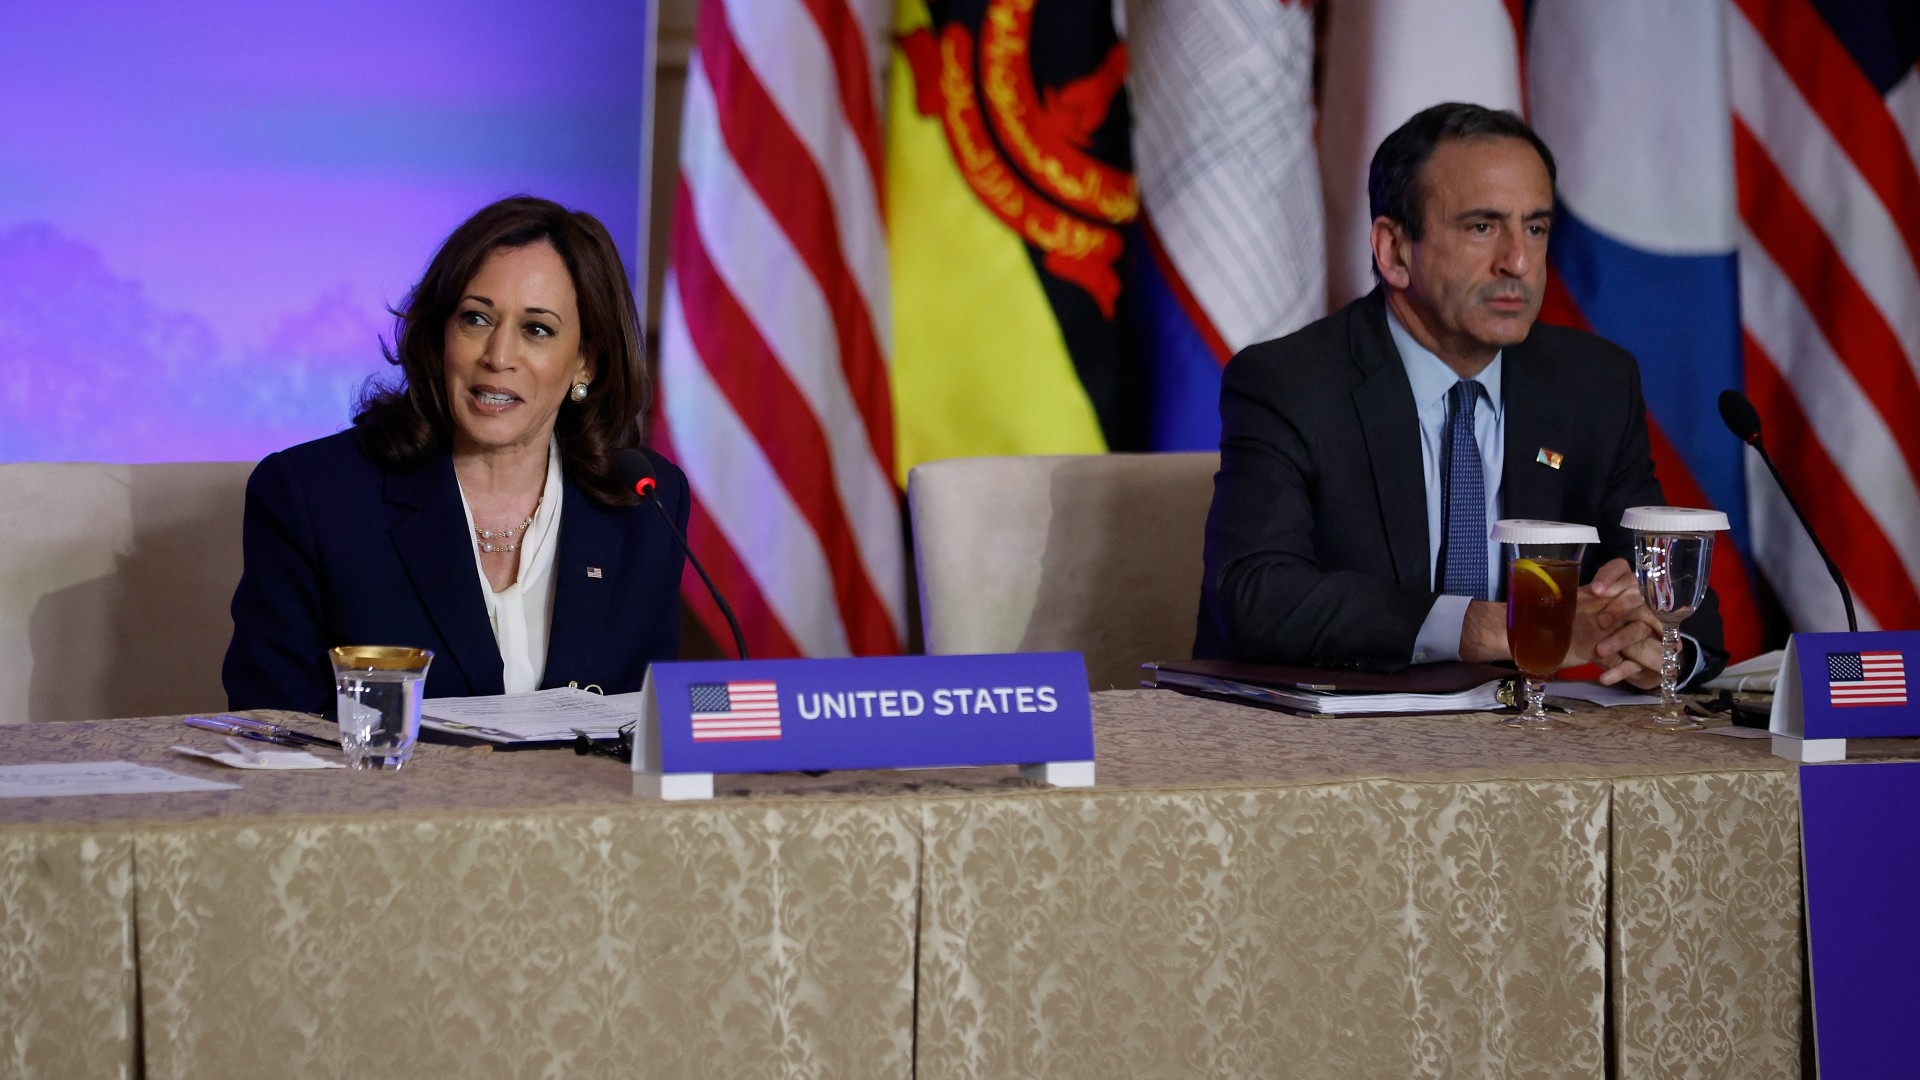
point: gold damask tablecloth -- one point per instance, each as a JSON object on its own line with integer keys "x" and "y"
{"x": 475, "y": 915}
{"x": 1245, "y": 894}
{"x": 1407, "y": 896}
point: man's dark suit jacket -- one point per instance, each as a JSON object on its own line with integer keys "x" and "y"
{"x": 1316, "y": 549}
{"x": 340, "y": 551}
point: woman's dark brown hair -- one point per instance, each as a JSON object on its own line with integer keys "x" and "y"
{"x": 402, "y": 423}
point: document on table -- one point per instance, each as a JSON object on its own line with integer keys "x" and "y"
{"x": 541, "y": 716}
{"x": 96, "y": 778}
{"x": 1761, "y": 673}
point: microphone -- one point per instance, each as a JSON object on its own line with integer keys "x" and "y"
{"x": 636, "y": 470}
{"x": 1744, "y": 421}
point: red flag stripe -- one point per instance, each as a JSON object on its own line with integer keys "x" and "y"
{"x": 1849, "y": 106}
{"x": 1739, "y": 610}
{"x": 784, "y": 48}
{"x": 1851, "y": 322}
{"x": 1859, "y": 546}
{"x": 790, "y": 185}
{"x": 1558, "y": 307}
{"x": 756, "y": 261}
{"x": 1728, "y": 576}
{"x": 745, "y": 498}
{"x": 756, "y": 385}
{"x": 1839, "y": 416}
{"x": 758, "y": 623}
{"x": 845, "y": 40}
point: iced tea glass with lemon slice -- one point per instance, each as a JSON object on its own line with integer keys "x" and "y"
{"x": 1543, "y": 588}
{"x": 1672, "y": 553}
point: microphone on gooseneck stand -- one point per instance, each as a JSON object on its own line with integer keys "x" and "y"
{"x": 636, "y": 470}
{"x": 1744, "y": 421}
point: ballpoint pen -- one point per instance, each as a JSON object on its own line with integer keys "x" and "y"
{"x": 259, "y": 731}
{"x": 299, "y": 737}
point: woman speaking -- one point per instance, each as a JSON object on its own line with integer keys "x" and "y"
{"x": 473, "y": 508}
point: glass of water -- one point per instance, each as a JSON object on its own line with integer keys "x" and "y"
{"x": 1672, "y": 553}
{"x": 378, "y": 690}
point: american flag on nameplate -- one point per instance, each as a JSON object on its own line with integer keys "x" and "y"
{"x": 735, "y": 711}
{"x": 774, "y": 387}
{"x": 1873, "y": 678}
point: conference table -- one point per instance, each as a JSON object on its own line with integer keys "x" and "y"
{"x": 1244, "y": 893}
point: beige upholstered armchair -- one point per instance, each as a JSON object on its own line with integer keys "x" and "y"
{"x": 114, "y": 586}
{"x": 1095, "y": 553}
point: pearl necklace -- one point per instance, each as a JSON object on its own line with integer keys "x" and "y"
{"x": 512, "y": 535}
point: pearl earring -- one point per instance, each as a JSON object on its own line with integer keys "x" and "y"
{"x": 579, "y": 392}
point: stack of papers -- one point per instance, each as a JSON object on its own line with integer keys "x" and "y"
{"x": 544, "y": 716}
{"x": 1760, "y": 674}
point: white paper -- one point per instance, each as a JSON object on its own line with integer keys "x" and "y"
{"x": 539, "y": 716}
{"x": 1608, "y": 696}
{"x": 1759, "y": 673}
{"x": 96, "y": 778}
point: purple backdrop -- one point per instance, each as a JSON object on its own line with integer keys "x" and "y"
{"x": 206, "y": 206}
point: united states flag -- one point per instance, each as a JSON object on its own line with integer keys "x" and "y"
{"x": 1740, "y": 206}
{"x": 1875, "y": 678}
{"x": 1826, "y": 136}
{"x": 774, "y": 383}
{"x": 735, "y": 711}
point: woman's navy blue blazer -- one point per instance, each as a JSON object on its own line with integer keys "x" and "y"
{"x": 341, "y": 551}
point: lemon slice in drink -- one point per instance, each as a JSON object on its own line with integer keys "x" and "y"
{"x": 1531, "y": 567}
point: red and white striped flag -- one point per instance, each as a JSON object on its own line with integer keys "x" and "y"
{"x": 774, "y": 385}
{"x": 1859, "y": 680}
{"x": 1826, "y": 135}
{"x": 735, "y": 711}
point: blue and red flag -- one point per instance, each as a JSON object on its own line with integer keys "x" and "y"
{"x": 1633, "y": 100}
{"x": 1740, "y": 207}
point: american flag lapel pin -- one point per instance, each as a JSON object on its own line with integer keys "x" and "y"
{"x": 594, "y": 572}
{"x": 1550, "y": 458}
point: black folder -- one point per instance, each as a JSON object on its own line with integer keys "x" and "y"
{"x": 1447, "y": 687}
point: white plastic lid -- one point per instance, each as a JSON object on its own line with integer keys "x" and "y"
{"x": 1523, "y": 531}
{"x": 1673, "y": 519}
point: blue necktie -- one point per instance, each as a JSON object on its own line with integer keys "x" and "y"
{"x": 1464, "y": 559}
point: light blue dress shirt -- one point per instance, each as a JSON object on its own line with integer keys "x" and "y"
{"x": 1431, "y": 380}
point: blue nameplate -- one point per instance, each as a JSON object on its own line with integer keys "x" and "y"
{"x": 1835, "y": 687}
{"x": 1863, "y": 894}
{"x": 750, "y": 716}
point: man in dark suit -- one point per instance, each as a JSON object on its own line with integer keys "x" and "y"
{"x": 1346, "y": 530}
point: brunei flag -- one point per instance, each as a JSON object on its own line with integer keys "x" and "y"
{"x": 1010, "y": 198}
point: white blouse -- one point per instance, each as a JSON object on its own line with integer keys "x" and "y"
{"x": 522, "y": 613}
